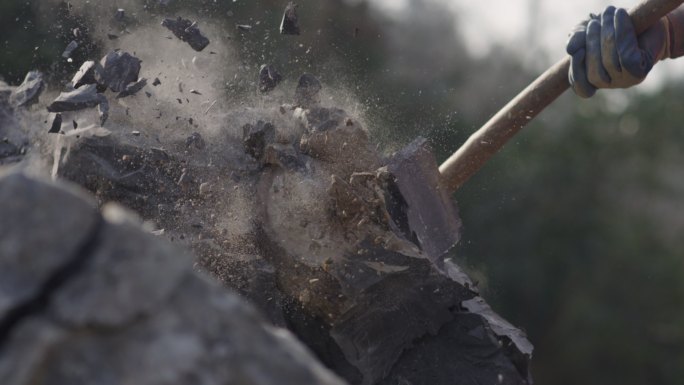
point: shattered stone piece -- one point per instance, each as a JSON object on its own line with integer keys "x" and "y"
{"x": 187, "y": 31}
{"x": 112, "y": 36}
{"x": 69, "y": 49}
{"x": 205, "y": 188}
{"x": 195, "y": 140}
{"x": 255, "y": 138}
{"x": 56, "y": 124}
{"x": 307, "y": 92}
{"x": 29, "y": 91}
{"x": 135, "y": 133}
{"x": 120, "y": 14}
{"x": 156, "y": 82}
{"x": 290, "y": 23}
{"x": 78, "y": 99}
{"x": 85, "y": 74}
{"x": 243, "y": 27}
{"x": 132, "y": 89}
{"x": 118, "y": 70}
{"x": 195, "y": 92}
{"x": 103, "y": 111}
{"x": 269, "y": 77}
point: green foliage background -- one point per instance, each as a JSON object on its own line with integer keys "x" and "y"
{"x": 574, "y": 230}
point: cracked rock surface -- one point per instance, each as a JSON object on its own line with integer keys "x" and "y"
{"x": 91, "y": 299}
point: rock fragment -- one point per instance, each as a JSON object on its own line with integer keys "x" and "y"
{"x": 78, "y": 99}
{"x": 256, "y": 137}
{"x": 290, "y": 23}
{"x": 187, "y": 31}
{"x": 132, "y": 89}
{"x": 29, "y": 91}
{"x": 56, "y": 124}
{"x": 307, "y": 92}
{"x": 195, "y": 140}
{"x": 85, "y": 74}
{"x": 120, "y": 14}
{"x": 243, "y": 27}
{"x": 156, "y": 82}
{"x": 269, "y": 77}
{"x": 69, "y": 49}
{"x": 118, "y": 70}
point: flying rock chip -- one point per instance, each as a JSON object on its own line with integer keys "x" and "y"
{"x": 269, "y": 77}
{"x": 306, "y": 94}
{"x": 80, "y": 99}
{"x": 29, "y": 91}
{"x": 119, "y": 69}
{"x": 187, "y": 31}
{"x": 290, "y": 23}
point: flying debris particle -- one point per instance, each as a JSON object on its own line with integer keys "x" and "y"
{"x": 29, "y": 91}
{"x": 132, "y": 89}
{"x": 103, "y": 111}
{"x": 307, "y": 92}
{"x": 210, "y": 106}
{"x": 195, "y": 92}
{"x": 149, "y": 95}
{"x": 85, "y": 74}
{"x": 243, "y": 27}
{"x": 73, "y": 123}
{"x": 290, "y": 23}
{"x": 77, "y": 33}
{"x": 78, "y": 99}
{"x": 135, "y": 133}
{"x": 56, "y": 124}
{"x": 69, "y": 49}
{"x": 195, "y": 140}
{"x": 269, "y": 78}
{"x": 256, "y": 137}
{"x": 156, "y": 82}
{"x": 120, "y": 14}
{"x": 187, "y": 31}
{"x": 111, "y": 36}
{"x": 118, "y": 70}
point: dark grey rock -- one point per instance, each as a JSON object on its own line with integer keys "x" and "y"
{"x": 29, "y": 91}
{"x": 120, "y": 14}
{"x": 118, "y": 70}
{"x": 307, "y": 92}
{"x": 56, "y": 124}
{"x": 187, "y": 31}
{"x": 195, "y": 140}
{"x": 132, "y": 312}
{"x": 86, "y": 74}
{"x": 243, "y": 27}
{"x": 42, "y": 230}
{"x": 156, "y": 82}
{"x": 255, "y": 138}
{"x": 132, "y": 89}
{"x": 269, "y": 77}
{"x": 69, "y": 49}
{"x": 78, "y": 99}
{"x": 290, "y": 23}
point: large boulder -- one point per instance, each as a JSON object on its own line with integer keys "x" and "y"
{"x": 92, "y": 299}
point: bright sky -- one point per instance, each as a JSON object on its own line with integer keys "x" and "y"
{"x": 513, "y": 23}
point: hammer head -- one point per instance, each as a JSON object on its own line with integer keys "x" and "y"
{"x": 422, "y": 211}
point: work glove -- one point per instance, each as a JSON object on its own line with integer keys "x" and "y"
{"x": 606, "y": 52}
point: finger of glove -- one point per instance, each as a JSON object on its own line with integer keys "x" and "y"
{"x": 632, "y": 59}
{"x": 596, "y": 74}
{"x": 578, "y": 38}
{"x": 577, "y": 75}
{"x": 609, "y": 53}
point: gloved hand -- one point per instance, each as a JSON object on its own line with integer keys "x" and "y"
{"x": 606, "y": 52}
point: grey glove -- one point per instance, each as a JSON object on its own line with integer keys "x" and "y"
{"x": 606, "y": 52}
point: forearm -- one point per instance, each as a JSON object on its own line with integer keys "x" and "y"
{"x": 676, "y": 31}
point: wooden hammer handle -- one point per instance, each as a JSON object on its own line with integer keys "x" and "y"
{"x": 489, "y": 139}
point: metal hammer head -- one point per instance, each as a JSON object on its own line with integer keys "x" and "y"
{"x": 421, "y": 209}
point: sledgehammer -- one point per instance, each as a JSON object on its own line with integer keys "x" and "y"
{"x": 432, "y": 218}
